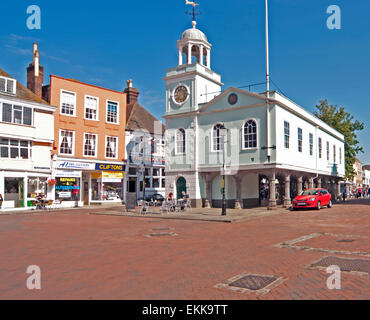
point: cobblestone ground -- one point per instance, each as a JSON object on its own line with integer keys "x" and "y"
{"x": 84, "y": 256}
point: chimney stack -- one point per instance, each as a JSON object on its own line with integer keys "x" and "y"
{"x": 35, "y": 73}
{"x": 132, "y": 93}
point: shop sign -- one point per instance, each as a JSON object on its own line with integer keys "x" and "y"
{"x": 113, "y": 175}
{"x": 67, "y": 188}
{"x": 68, "y": 173}
{"x": 41, "y": 168}
{"x": 96, "y": 175}
{"x": 110, "y": 167}
{"x": 64, "y": 184}
{"x": 75, "y": 165}
{"x": 64, "y": 194}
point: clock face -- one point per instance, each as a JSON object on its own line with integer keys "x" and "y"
{"x": 180, "y": 94}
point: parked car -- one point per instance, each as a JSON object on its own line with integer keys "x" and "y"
{"x": 155, "y": 197}
{"x": 112, "y": 195}
{"x": 313, "y": 198}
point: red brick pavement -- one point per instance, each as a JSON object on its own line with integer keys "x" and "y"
{"x": 84, "y": 256}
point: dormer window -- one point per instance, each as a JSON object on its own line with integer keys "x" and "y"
{"x": 7, "y": 85}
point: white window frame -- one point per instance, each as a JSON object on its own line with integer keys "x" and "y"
{"x": 97, "y": 107}
{"x": 327, "y": 150}
{"x": 300, "y": 140}
{"x": 106, "y": 112}
{"x": 19, "y": 147}
{"x": 73, "y": 142}
{"x": 96, "y": 145}
{"x": 106, "y": 143}
{"x": 340, "y": 155}
{"x": 176, "y": 141}
{"x": 75, "y": 103}
{"x": 319, "y": 142}
{"x": 310, "y": 143}
{"x": 243, "y": 135}
{"x": 213, "y": 137}
{"x": 6, "y": 85}
{"x": 12, "y": 114}
{"x": 287, "y": 135}
{"x": 334, "y": 154}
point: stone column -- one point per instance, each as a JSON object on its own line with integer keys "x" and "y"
{"x": 209, "y": 58}
{"x": 180, "y": 56}
{"x": 319, "y": 183}
{"x": 190, "y": 46}
{"x": 338, "y": 189}
{"x": 310, "y": 183}
{"x": 305, "y": 185}
{"x": 287, "y": 199}
{"x": 333, "y": 190}
{"x": 208, "y": 180}
{"x": 272, "y": 200}
{"x": 201, "y": 54}
{"x": 300, "y": 185}
{"x": 238, "y": 200}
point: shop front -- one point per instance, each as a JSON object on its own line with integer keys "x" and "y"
{"x": 107, "y": 183}
{"x": 85, "y": 183}
{"x": 19, "y": 189}
{"x": 67, "y": 187}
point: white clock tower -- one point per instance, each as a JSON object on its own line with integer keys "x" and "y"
{"x": 189, "y": 86}
{"x": 192, "y": 83}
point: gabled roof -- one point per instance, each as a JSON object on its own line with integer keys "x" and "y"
{"x": 23, "y": 92}
{"x": 229, "y": 90}
{"x": 138, "y": 118}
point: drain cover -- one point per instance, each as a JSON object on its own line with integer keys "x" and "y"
{"x": 253, "y": 282}
{"x": 346, "y": 240}
{"x": 161, "y": 234}
{"x": 161, "y": 229}
{"x": 349, "y": 265}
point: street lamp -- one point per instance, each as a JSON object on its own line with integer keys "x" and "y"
{"x": 223, "y": 134}
{"x": 144, "y": 140}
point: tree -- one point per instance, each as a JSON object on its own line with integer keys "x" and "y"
{"x": 344, "y": 122}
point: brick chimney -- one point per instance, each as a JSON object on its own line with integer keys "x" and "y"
{"x": 35, "y": 73}
{"x": 132, "y": 93}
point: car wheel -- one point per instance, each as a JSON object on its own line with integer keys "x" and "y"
{"x": 330, "y": 205}
{"x": 319, "y": 205}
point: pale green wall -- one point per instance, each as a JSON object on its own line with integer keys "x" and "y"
{"x": 250, "y": 186}
{"x": 188, "y": 105}
{"x": 230, "y": 187}
{"x": 232, "y": 120}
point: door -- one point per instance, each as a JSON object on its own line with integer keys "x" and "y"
{"x": 180, "y": 187}
{"x": 86, "y": 193}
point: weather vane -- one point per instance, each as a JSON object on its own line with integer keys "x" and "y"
{"x": 193, "y": 13}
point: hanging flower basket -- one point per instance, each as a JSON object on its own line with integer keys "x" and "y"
{"x": 51, "y": 182}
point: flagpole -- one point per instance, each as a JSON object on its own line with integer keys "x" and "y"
{"x": 267, "y": 51}
{"x": 268, "y": 151}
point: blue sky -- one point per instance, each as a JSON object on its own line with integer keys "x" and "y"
{"x": 106, "y": 43}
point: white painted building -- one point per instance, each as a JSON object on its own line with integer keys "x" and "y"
{"x": 144, "y": 151}
{"x": 271, "y": 143}
{"x": 26, "y": 137}
{"x": 366, "y": 176}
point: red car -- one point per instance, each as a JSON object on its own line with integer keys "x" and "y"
{"x": 313, "y": 198}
